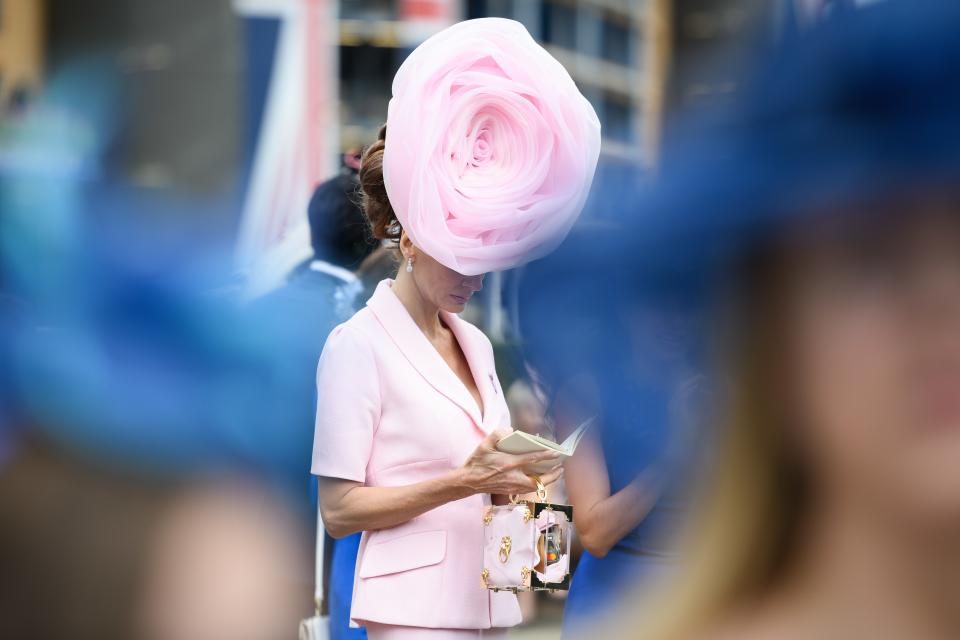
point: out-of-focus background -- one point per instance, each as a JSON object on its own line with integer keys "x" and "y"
{"x": 159, "y": 158}
{"x": 244, "y": 106}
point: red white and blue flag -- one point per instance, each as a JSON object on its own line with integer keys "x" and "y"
{"x": 292, "y": 90}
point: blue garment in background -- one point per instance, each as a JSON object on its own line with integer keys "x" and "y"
{"x": 637, "y": 431}
{"x": 341, "y": 589}
{"x": 306, "y": 309}
{"x": 600, "y": 583}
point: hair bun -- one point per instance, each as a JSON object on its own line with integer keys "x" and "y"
{"x": 376, "y": 204}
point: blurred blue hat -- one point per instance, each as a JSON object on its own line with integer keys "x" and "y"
{"x": 864, "y": 105}
{"x": 151, "y": 368}
{"x": 119, "y": 339}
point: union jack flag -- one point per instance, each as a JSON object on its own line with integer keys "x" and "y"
{"x": 294, "y": 127}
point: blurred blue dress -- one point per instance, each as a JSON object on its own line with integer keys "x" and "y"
{"x": 635, "y": 433}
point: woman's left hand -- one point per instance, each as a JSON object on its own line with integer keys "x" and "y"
{"x": 490, "y": 471}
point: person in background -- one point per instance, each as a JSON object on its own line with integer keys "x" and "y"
{"x": 627, "y": 479}
{"x": 319, "y": 294}
{"x": 528, "y": 408}
{"x": 631, "y": 375}
{"x": 340, "y": 241}
{"x": 380, "y": 264}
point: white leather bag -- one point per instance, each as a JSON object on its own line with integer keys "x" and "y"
{"x": 527, "y": 545}
{"x": 317, "y": 627}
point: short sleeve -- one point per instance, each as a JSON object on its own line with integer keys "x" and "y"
{"x": 348, "y": 406}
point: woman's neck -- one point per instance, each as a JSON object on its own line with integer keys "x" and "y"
{"x": 859, "y": 575}
{"x": 425, "y": 314}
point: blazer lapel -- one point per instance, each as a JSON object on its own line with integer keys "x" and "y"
{"x": 477, "y": 355}
{"x": 418, "y": 350}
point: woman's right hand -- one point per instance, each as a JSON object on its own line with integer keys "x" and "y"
{"x": 490, "y": 471}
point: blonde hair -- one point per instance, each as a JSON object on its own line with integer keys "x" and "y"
{"x": 740, "y": 537}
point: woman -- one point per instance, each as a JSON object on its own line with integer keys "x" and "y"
{"x": 485, "y": 161}
{"x": 833, "y": 510}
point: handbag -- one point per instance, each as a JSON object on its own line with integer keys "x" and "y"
{"x": 317, "y": 627}
{"x": 527, "y": 545}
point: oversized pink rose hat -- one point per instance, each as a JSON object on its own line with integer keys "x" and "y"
{"x": 490, "y": 147}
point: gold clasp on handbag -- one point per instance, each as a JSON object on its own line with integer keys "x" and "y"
{"x": 505, "y": 545}
{"x": 525, "y": 576}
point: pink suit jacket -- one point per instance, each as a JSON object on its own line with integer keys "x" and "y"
{"x": 391, "y": 412}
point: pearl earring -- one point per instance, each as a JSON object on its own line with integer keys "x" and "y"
{"x": 409, "y": 265}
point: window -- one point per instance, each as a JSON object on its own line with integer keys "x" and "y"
{"x": 366, "y": 73}
{"x": 615, "y": 40}
{"x": 487, "y": 8}
{"x": 367, "y": 10}
{"x": 617, "y": 118}
{"x": 560, "y": 24}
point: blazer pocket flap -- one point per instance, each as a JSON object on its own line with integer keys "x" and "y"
{"x": 410, "y": 551}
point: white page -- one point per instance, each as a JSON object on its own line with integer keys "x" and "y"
{"x": 570, "y": 444}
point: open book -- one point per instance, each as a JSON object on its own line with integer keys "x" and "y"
{"x": 522, "y": 442}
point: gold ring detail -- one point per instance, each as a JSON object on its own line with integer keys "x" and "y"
{"x": 541, "y": 489}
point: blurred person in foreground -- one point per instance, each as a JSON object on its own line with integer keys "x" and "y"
{"x": 142, "y": 476}
{"x": 485, "y": 161}
{"x": 137, "y": 487}
{"x": 89, "y": 551}
{"x": 825, "y": 215}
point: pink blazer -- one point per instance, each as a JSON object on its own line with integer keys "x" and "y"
{"x": 391, "y": 412}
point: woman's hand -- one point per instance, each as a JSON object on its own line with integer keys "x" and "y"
{"x": 348, "y": 506}
{"x": 490, "y": 471}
